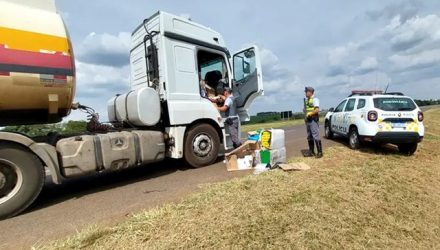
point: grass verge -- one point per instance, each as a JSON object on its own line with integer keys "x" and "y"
{"x": 349, "y": 199}
{"x": 277, "y": 124}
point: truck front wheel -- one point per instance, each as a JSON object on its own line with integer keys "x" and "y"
{"x": 202, "y": 146}
{"x": 21, "y": 179}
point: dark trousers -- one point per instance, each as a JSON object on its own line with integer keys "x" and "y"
{"x": 234, "y": 124}
{"x": 312, "y": 130}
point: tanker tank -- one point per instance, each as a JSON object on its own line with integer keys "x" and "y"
{"x": 37, "y": 68}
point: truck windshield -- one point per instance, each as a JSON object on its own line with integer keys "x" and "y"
{"x": 394, "y": 104}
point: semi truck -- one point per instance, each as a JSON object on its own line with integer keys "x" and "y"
{"x": 164, "y": 114}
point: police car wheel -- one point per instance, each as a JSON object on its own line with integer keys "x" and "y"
{"x": 407, "y": 149}
{"x": 328, "y": 131}
{"x": 353, "y": 139}
{"x": 202, "y": 145}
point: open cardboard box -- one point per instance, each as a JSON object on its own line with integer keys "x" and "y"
{"x": 248, "y": 148}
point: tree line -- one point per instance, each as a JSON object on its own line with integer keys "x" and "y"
{"x": 78, "y": 127}
{"x": 67, "y": 128}
{"x": 427, "y": 102}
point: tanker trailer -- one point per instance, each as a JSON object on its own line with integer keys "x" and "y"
{"x": 37, "y": 72}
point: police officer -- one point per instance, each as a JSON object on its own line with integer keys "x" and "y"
{"x": 311, "y": 109}
{"x": 230, "y": 109}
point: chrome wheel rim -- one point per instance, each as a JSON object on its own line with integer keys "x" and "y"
{"x": 327, "y": 130}
{"x": 353, "y": 139}
{"x": 202, "y": 145}
{"x": 11, "y": 180}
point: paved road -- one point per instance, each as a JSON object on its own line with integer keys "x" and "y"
{"x": 63, "y": 210}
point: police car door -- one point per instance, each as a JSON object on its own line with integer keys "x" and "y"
{"x": 337, "y": 117}
{"x": 347, "y": 116}
{"x": 248, "y": 79}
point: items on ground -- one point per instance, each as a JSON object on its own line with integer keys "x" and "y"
{"x": 265, "y": 149}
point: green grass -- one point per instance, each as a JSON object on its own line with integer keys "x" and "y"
{"x": 348, "y": 200}
{"x": 277, "y": 124}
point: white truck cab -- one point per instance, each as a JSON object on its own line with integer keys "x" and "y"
{"x": 374, "y": 116}
{"x": 171, "y": 55}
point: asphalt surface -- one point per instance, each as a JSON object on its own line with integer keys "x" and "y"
{"x": 107, "y": 199}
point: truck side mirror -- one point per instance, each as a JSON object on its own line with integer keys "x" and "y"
{"x": 246, "y": 67}
{"x": 331, "y": 110}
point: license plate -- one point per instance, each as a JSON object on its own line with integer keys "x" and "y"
{"x": 399, "y": 125}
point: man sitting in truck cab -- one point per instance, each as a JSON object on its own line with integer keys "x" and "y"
{"x": 212, "y": 86}
{"x": 206, "y": 91}
{"x": 229, "y": 108}
{"x": 215, "y": 80}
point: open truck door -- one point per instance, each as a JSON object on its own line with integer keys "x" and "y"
{"x": 248, "y": 79}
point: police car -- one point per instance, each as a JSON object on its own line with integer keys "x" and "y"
{"x": 374, "y": 116}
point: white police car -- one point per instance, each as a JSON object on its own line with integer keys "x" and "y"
{"x": 371, "y": 116}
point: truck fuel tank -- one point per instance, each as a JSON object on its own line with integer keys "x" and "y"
{"x": 140, "y": 107}
{"x": 88, "y": 154}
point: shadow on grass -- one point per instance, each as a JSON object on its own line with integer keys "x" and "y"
{"x": 369, "y": 147}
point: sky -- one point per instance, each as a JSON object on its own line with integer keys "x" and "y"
{"x": 334, "y": 46}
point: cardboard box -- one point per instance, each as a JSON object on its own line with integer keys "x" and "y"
{"x": 299, "y": 166}
{"x": 248, "y": 148}
{"x": 271, "y": 157}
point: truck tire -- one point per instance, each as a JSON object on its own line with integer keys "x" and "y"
{"x": 21, "y": 179}
{"x": 407, "y": 149}
{"x": 202, "y": 145}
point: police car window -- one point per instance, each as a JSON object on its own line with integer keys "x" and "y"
{"x": 394, "y": 104}
{"x": 350, "y": 105}
{"x": 341, "y": 106}
{"x": 361, "y": 103}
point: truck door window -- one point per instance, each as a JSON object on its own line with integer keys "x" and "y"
{"x": 244, "y": 65}
{"x": 212, "y": 69}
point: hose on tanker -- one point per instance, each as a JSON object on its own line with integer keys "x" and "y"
{"x": 93, "y": 124}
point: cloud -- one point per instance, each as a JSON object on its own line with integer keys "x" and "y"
{"x": 283, "y": 87}
{"x": 413, "y": 35}
{"x": 268, "y": 58}
{"x": 404, "y": 10}
{"x": 105, "y": 49}
{"x": 424, "y": 59}
{"x": 339, "y": 57}
{"x": 368, "y": 65}
{"x": 414, "y": 44}
{"x": 277, "y": 78}
{"x": 99, "y": 75}
{"x": 399, "y": 46}
{"x": 362, "y": 45}
{"x": 96, "y": 84}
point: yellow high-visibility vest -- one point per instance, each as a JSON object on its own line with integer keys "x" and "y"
{"x": 309, "y": 105}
